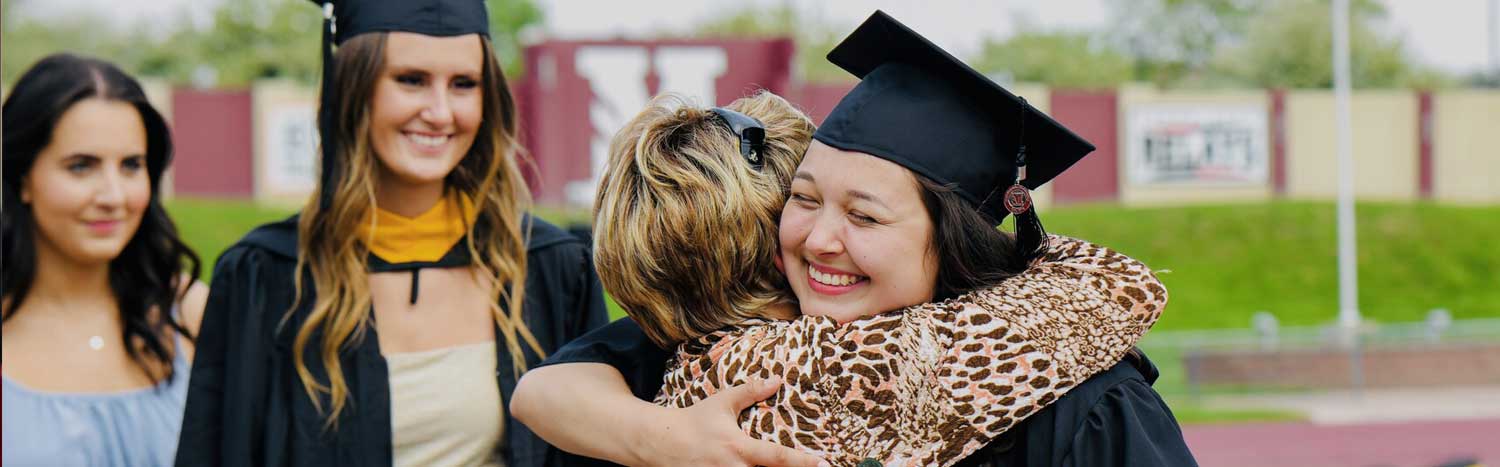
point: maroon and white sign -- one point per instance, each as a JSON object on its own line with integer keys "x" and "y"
{"x": 1196, "y": 144}
{"x": 577, "y": 94}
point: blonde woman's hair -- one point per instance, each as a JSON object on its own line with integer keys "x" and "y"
{"x": 328, "y": 246}
{"x": 685, "y": 228}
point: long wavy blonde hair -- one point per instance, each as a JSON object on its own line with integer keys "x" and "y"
{"x": 328, "y": 246}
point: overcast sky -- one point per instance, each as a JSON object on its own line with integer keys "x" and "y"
{"x": 1449, "y": 34}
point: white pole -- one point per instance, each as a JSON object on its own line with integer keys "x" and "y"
{"x": 1348, "y": 275}
{"x": 1495, "y": 39}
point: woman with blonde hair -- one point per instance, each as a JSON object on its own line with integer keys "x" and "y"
{"x": 387, "y": 323}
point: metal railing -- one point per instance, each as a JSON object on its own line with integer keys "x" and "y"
{"x": 1177, "y": 352}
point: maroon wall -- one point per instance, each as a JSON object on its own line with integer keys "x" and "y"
{"x": 521, "y": 91}
{"x": 1278, "y": 141}
{"x": 818, "y": 99}
{"x": 213, "y": 133}
{"x": 1092, "y": 115}
{"x": 1424, "y": 144}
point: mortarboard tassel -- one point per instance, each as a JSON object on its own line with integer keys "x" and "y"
{"x": 328, "y": 107}
{"x": 1031, "y": 238}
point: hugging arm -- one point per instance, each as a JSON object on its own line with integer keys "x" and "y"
{"x": 929, "y": 384}
{"x": 588, "y": 400}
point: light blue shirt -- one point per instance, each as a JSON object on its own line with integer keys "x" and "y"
{"x": 130, "y": 428}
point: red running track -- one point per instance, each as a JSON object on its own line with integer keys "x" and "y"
{"x": 1303, "y": 444}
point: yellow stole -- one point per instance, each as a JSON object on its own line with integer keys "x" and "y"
{"x": 426, "y": 238}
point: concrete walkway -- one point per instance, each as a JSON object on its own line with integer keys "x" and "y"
{"x": 1376, "y": 405}
{"x": 1301, "y": 444}
{"x": 1423, "y": 427}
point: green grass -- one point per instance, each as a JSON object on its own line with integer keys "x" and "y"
{"x": 1188, "y": 413}
{"x": 1229, "y": 261}
{"x": 1226, "y": 261}
{"x": 211, "y": 225}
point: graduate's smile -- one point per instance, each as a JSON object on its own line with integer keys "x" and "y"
{"x": 427, "y": 106}
{"x": 829, "y": 281}
{"x": 430, "y": 144}
{"x": 855, "y": 236}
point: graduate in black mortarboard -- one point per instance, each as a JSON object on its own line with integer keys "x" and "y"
{"x": 927, "y": 112}
{"x": 387, "y": 323}
{"x": 920, "y": 107}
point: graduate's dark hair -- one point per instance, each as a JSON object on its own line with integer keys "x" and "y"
{"x": 971, "y": 252}
{"x": 147, "y": 277}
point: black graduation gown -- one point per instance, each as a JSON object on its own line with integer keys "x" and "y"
{"x": 247, "y": 407}
{"x": 1111, "y": 419}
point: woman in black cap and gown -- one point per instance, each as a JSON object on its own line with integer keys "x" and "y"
{"x": 927, "y": 112}
{"x": 387, "y": 323}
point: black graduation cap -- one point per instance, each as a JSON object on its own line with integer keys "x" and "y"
{"x": 343, "y": 19}
{"x": 920, "y": 107}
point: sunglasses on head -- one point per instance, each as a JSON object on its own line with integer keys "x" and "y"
{"x": 751, "y": 132}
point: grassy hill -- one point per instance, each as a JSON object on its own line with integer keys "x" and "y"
{"x": 1226, "y": 262}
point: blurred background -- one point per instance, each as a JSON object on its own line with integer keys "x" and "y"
{"x": 1216, "y": 123}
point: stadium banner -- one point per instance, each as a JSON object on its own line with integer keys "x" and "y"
{"x": 1194, "y": 144}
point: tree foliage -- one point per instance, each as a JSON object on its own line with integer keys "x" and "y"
{"x": 1290, "y": 45}
{"x": 813, "y": 39}
{"x": 27, "y": 40}
{"x": 1059, "y": 58}
{"x": 1168, "y": 40}
{"x": 1173, "y": 43}
{"x": 244, "y": 42}
{"x": 1245, "y": 43}
{"x": 509, "y": 20}
{"x": 249, "y": 41}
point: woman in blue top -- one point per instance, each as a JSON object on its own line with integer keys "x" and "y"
{"x": 98, "y": 313}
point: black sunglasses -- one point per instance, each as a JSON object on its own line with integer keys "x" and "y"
{"x": 751, "y": 132}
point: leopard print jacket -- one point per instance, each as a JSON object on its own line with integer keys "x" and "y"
{"x": 930, "y": 384}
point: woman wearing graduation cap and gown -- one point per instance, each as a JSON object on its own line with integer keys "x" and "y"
{"x": 388, "y": 321}
{"x": 927, "y": 113}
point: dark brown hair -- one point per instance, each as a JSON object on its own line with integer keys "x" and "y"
{"x": 972, "y": 252}
{"x": 147, "y": 277}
